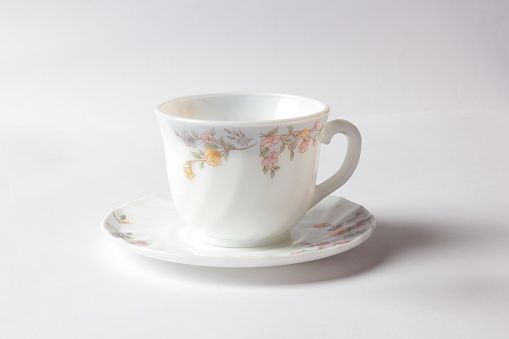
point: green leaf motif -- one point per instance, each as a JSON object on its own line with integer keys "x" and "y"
{"x": 242, "y": 133}
{"x": 291, "y": 155}
{"x": 282, "y": 148}
{"x": 272, "y": 174}
{"x": 177, "y": 133}
{"x": 122, "y": 217}
{"x": 211, "y": 146}
{"x": 230, "y": 146}
{"x": 221, "y": 141}
{"x": 265, "y": 151}
{"x": 202, "y": 164}
{"x": 189, "y": 163}
{"x": 276, "y": 168}
{"x": 213, "y": 131}
{"x": 196, "y": 155}
{"x": 290, "y": 129}
{"x": 226, "y": 154}
{"x": 231, "y": 138}
{"x": 228, "y": 131}
{"x": 237, "y": 134}
{"x": 201, "y": 152}
{"x": 274, "y": 131}
{"x": 194, "y": 134}
{"x": 265, "y": 169}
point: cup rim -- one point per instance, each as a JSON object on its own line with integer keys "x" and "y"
{"x": 317, "y": 115}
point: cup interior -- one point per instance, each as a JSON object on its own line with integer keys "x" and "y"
{"x": 242, "y": 107}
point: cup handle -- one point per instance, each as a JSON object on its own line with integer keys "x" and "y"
{"x": 346, "y": 170}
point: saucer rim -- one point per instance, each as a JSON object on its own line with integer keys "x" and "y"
{"x": 232, "y": 260}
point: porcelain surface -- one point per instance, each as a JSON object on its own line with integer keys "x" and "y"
{"x": 152, "y": 227}
{"x": 242, "y": 167}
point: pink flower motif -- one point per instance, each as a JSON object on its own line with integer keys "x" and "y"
{"x": 205, "y": 137}
{"x": 271, "y": 140}
{"x": 141, "y": 243}
{"x": 271, "y": 159}
{"x": 303, "y": 147}
{"x": 322, "y": 244}
{"x": 317, "y": 124}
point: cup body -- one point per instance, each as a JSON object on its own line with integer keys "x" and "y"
{"x": 242, "y": 166}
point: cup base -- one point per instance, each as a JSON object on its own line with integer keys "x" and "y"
{"x": 241, "y": 243}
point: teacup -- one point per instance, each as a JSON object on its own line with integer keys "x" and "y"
{"x": 242, "y": 167}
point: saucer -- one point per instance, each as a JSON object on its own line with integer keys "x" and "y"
{"x": 152, "y": 227}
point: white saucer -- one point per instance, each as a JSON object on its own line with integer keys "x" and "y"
{"x": 152, "y": 227}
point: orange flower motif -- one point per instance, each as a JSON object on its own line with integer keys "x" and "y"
{"x": 122, "y": 219}
{"x": 304, "y": 134}
{"x": 322, "y": 225}
{"x": 340, "y": 231}
{"x": 188, "y": 172}
{"x": 212, "y": 157}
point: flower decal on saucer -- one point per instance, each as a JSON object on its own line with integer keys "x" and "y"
{"x": 345, "y": 235}
{"x": 126, "y": 236}
{"x": 121, "y": 219}
{"x": 214, "y": 150}
{"x": 339, "y": 229}
{"x": 339, "y": 234}
{"x": 273, "y": 144}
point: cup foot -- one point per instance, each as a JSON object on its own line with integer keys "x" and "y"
{"x": 241, "y": 243}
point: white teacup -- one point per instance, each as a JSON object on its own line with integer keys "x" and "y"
{"x": 242, "y": 166}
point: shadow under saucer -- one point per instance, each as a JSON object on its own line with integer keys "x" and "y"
{"x": 391, "y": 239}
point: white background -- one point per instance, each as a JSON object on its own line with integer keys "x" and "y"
{"x": 426, "y": 82}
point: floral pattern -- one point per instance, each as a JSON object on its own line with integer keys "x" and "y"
{"x": 343, "y": 233}
{"x": 121, "y": 219}
{"x": 214, "y": 150}
{"x": 273, "y": 144}
{"x": 126, "y": 236}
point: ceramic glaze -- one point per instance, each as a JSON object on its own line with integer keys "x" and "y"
{"x": 242, "y": 166}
